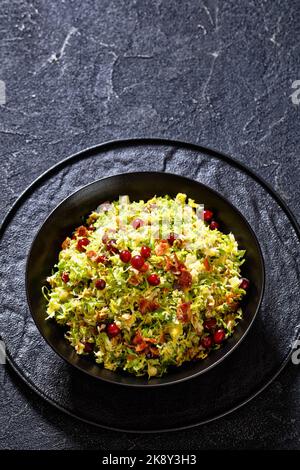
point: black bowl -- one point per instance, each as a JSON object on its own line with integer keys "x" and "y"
{"x": 144, "y": 185}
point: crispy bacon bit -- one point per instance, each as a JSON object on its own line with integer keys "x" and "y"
{"x": 141, "y": 347}
{"x": 206, "y": 264}
{"x": 174, "y": 265}
{"x": 185, "y": 279}
{"x": 91, "y": 228}
{"x": 234, "y": 306}
{"x": 178, "y": 264}
{"x": 162, "y": 338}
{"x": 138, "y": 338}
{"x": 169, "y": 263}
{"x": 91, "y": 254}
{"x": 183, "y": 312}
{"x": 162, "y": 248}
{"x": 154, "y": 351}
{"x": 66, "y": 243}
{"x": 82, "y": 231}
{"x": 146, "y": 345}
{"x": 150, "y": 340}
{"x": 146, "y": 305}
{"x": 134, "y": 280}
{"x": 131, "y": 357}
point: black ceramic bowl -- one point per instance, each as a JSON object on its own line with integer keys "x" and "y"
{"x": 68, "y": 215}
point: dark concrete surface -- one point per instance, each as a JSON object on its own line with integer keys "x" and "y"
{"x": 211, "y": 72}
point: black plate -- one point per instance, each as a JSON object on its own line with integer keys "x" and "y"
{"x": 142, "y": 185}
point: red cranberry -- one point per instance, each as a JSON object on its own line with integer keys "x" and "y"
{"x": 153, "y": 279}
{"x": 102, "y": 259}
{"x": 113, "y": 329}
{"x": 137, "y": 262}
{"x": 245, "y": 283}
{"x": 100, "y": 284}
{"x": 172, "y": 237}
{"x": 214, "y": 225}
{"x": 146, "y": 251}
{"x": 125, "y": 256}
{"x": 207, "y": 342}
{"x": 137, "y": 223}
{"x": 219, "y": 336}
{"x": 111, "y": 246}
{"x": 207, "y": 215}
{"x": 210, "y": 324}
{"x": 185, "y": 307}
{"x": 144, "y": 268}
{"x": 65, "y": 277}
{"x": 82, "y": 243}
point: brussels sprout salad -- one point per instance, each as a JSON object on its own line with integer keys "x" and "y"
{"x": 146, "y": 285}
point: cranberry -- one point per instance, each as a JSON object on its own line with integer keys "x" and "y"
{"x": 219, "y": 336}
{"x": 88, "y": 347}
{"x": 185, "y": 307}
{"x": 137, "y": 223}
{"x": 210, "y": 324}
{"x": 146, "y": 251}
{"x": 65, "y": 277}
{"x": 153, "y": 279}
{"x": 172, "y": 237}
{"x": 125, "y": 256}
{"x": 111, "y": 246}
{"x": 137, "y": 262}
{"x": 245, "y": 283}
{"x": 100, "y": 284}
{"x": 102, "y": 259}
{"x": 214, "y": 225}
{"x": 144, "y": 268}
{"x": 82, "y": 243}
{"x": 113, "y": 329}
{"x": 207, "y": 215}
{"x": 207, "y": 342}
